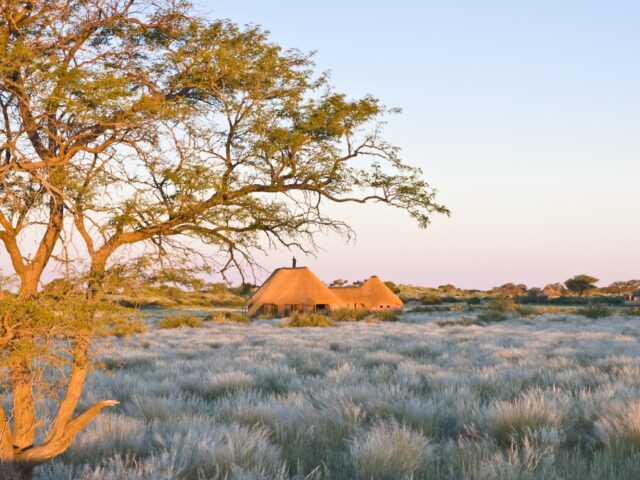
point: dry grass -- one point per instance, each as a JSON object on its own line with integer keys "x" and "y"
{"x": 180, "y": 320}
{"x": 302, "y": 320}
{"x": 542, "y": 397}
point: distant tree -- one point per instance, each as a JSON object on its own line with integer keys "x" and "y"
{"x": 340, "y": 282}
{"x": 625, "y": 287}
{"x": 244, "y": 289}
{"x": 448, "y": 288}
{"x": 535, "y": 292}
{"x": 580, "y": 284}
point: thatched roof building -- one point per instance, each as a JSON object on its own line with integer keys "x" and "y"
{"x": 372, "y": 295}
{"x": 298, "y": 289}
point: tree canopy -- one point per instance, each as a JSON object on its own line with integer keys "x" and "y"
{"x": 139, "y": 123}
{"x": 580, "y": 284}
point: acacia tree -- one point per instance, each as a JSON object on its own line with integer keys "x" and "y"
{"x": 125, "y": 123}
{"x": 581, "y": 284}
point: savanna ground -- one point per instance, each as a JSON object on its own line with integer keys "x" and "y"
{"x": 548, "y": 396}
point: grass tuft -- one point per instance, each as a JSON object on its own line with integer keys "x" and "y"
{"x": 390, "y": 452}
{"x": 180, "y": 320}
{"x": 308, "y": 320}
{"x": 226, "y": 317}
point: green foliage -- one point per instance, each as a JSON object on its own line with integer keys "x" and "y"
{"x": 222, "y": 317}
{"x": 393, "y": 287}
{"x": 431, "y": 299}
{"x": 632, "y": 312}
{"x": 386, "y": 315}
{"x": 527, "y": 310}
{"x": 308, "y": 320}
{"x": 595, "y": 311}
{"x": 580, "y": 284}
{"x": 348, "y": 314}
{"x": 180, "y": 320}
{"x": 502, "y": 305}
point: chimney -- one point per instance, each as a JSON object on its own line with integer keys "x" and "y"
{"x": 294, "y": 262}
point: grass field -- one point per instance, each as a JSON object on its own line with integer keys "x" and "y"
{"x": 548, "y": 397}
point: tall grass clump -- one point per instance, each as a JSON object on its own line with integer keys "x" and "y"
{"x": 498, "y": 310}
{"x": 349, "y": 314}
{"x": 224, "y": 317}
{"x": 632, "y": 312}
{"x": 595, "y": 310}
{"x": 619, "y": 428}
{"x": 511, "y": 422}
{"x": 308, "y": 320}
{"x": 389, "y": 451}
{"x": 386, "y": 315}
{"x": 180, "y": 320}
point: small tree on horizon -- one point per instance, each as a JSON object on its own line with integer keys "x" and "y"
{"x": 138, "y": 129}
{"x": 580, "y": 284}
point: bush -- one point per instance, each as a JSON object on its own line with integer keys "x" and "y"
{"x": 431, "y": 299}
{"x": 125, "y": 327}
{"x": 474, "y": 301}
{"x": 308, "y": 320}
{"x": 349, "y": 314}
{"x": 633, "y": 312}
{"x": 502, "y": 305}
{"x": 527, "y": 311}
{"x": 386, "y": 315}
{"x": 223, "y": 317}
{"x": 595, "y": 311}
{"x": 180, "y": 320}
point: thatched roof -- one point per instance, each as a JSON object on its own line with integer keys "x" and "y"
{"x": 373, "y": 294}
{"x": 292, "y": 286}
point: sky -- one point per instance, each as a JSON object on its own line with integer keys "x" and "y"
{"x": 525, "y": 116}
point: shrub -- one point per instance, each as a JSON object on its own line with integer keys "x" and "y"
{"x": 349, "y": 314}
{"x": 474, "y": 301}
{"x": 386, "y": 315}
{"x": 123, "y": 327}
{"x": 502, "y": 305}
{"x": 223, "y": 317}
{"x": 180, "y": 320}
{"x": 431, "y": 299}
{"x": 595, "y": 311}
{"x": 308, "y": 320}
{"x": 527, "y": 311}
{"x": 633, "y": 312}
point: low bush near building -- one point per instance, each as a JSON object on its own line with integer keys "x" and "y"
{"x": 386, "y": 315}
{"x": 308, "y": 320}
{"x": 180, "y": 320}
{"x": 349, "y": 314}
{"x": 222, "y": 317}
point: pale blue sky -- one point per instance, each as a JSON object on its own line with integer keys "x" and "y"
{"x": 524, "y": 115}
